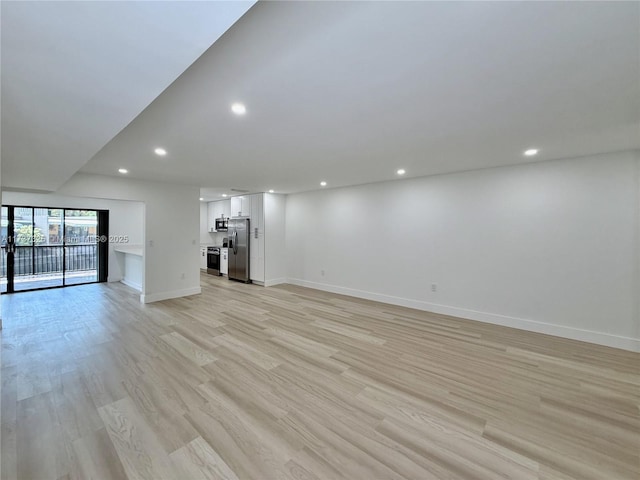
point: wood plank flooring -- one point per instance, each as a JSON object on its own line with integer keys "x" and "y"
{"x": 244, "y": 382}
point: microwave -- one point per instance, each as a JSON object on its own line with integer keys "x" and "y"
{"x": 222, "y": 224}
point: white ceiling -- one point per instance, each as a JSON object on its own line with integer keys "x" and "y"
{"x": 348, "y": 92}
{"x": 75, "y": 73}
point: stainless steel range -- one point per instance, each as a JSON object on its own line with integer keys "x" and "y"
{"x": 213, "y": 261}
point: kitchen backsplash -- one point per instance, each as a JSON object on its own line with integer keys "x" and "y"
{"x": 217, "y": 237}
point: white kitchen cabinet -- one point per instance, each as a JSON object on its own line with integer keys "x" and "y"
{"x": 218, "y": 209}
{"x": 211, "y": 217}
{"x": 256, "y": 265}
{"x": 222, "y": 208}
{"x": 257, "y": 212}
{"x": 203, "y": 258}
{"x": 241, "y": 206}
{"x": 224, "y": 261}
{"x": 236, "y": 206}
{"x": 256, "y": 245}
{"x": 226, "y": 207}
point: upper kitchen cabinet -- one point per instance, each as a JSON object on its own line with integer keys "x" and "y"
{"x": 241, "y": 206}
{"x": 211, "y": 217}
{"x": 257, "y": 212}
{"x": 226, "y": 207}
{"x": 218, "y": 209}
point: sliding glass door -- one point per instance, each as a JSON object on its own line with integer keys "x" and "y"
{"x": 81, "y": 246}
{"x": 4, "y": 264}
{"x": 28, "y": 244}
{"x": 48, "y": 250}
{"x": 52, "y": 247}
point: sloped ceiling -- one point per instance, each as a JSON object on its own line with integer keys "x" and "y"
{"x": 76, "y": 73}
{"x": 345, "y": 92}
{"x": 348, "y": 92}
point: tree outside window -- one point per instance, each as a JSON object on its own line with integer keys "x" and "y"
{"x": 26, "y": 234}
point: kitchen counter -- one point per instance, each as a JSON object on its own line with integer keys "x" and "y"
{"x": 130, "y": 249}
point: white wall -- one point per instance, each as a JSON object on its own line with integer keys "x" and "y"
{"x": 205, "y": 236}
{"x": 275, "y": 254}
{"x": 549, "y": 247}
{"x": 637, "y": 251}
{"x": 1, "y": 197}
{"x": 125, "y": 218}
{"x": 171, "y": 229}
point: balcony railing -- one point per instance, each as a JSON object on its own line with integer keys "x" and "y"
{"x": 47, "y": 259}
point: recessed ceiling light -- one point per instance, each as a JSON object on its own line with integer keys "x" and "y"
{"x": 531, "y": 152}
{"x": 238, "y": 109}
{"x": 323, "y": 184}
{"x": 201, "y": 199}
{"x": 401, "y": 171}
{"x": 160, "y": 152}
{"x": 271, "y": 191}
{"x": 224, "y": 194}
{"x": 123, "y": 170}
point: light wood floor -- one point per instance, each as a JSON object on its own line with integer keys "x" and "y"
{"x": 244, "y": 382}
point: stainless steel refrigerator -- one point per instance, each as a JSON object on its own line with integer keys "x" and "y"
{"x": 238, "y": 232}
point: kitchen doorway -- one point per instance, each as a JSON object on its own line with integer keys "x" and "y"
{"x": 52, "y": 247}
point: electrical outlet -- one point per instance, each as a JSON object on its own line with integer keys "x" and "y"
{"x": 322, "y": 272}
{"x": 434, "y": 287}
{"x": 182, "y": 276}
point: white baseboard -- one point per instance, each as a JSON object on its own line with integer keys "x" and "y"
{"x": 616, "y": 341}
{"x": 129, "y": 283}
{"x": 156, "y": 297}
{"x": 275, "y": 281}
